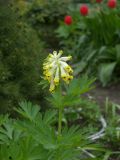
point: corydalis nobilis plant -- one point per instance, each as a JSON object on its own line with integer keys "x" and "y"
{"x": 56, "y": 68}
{"x": 34, "y": 136}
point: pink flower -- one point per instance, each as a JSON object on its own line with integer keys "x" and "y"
{"x": 84, "y": 10}
{"x": 112, "y": 3}
{"x": 68, "y": 20}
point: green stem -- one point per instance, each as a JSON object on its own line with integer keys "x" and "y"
{"x": 60, "y": 121}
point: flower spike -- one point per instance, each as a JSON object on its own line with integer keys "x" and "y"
{"x": 56, "y": 68}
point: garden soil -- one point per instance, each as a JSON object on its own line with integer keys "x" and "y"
{"x": 101, "y": 93}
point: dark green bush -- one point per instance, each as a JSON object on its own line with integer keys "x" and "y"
{"x": 21, "y": 56}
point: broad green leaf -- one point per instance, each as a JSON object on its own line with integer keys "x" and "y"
{"x": 118, "y": 52}
{"x": 79, "y": 67}
{"x": 105, "y": 72}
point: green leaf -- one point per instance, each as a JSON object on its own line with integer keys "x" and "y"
{"x": 57, "y": 99}
{"x": 79, "y": 67}
{"x": 49, "y": 116}
{"x": 3, "y": 118}
{"x": 28, "y": 110}
{"x": 118, "y": 52}
{"x": 43, "y": 83}
{"x": 105, "y": 72}
{"x": 63, "y": 31}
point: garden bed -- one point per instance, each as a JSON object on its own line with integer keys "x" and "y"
{"x": 101, "y": 93}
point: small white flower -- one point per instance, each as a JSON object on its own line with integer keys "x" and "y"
{"x": 55, "y": 67}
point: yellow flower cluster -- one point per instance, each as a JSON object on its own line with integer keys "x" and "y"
{"x": 56, "y": 68}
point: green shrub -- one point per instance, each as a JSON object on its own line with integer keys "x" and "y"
{"x": 21, "y": 55}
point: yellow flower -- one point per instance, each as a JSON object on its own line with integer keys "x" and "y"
{"x": 55, "y": 68}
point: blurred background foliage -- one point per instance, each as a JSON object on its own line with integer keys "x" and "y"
{"x": 21, "y": 56}
{"x": 43, "y": 16}
{"x": 94, "y": 42}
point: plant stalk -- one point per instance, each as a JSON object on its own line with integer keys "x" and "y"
{"x": 60, "y": 121}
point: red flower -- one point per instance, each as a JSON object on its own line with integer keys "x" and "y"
{"x": 84, "y": 10}
{"x": 99, "y": 1}
{"x": 112, "y": 3}
{"x": 68, "y": 20}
